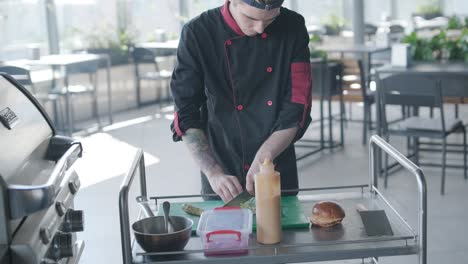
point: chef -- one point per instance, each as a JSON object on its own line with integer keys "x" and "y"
{"x": 242, "y": 93}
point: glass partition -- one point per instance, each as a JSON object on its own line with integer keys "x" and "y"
{"x": 23, "y": 29}
{"x": 104, "y": 24}
{"x": 84, "y": 24}
{"x": 162, "y": 19}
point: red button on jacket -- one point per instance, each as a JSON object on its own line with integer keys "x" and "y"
{"x": 240, "y": 107}
{"x": 269, "y": 69}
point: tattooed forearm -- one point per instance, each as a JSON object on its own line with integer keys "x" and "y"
{"x": 276, "y": 143}
{"x": 199, "y": 148}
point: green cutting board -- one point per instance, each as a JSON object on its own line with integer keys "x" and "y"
{"x": 292, "y": 216}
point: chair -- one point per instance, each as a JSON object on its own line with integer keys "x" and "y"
{"x": 23, "y": 76}
{"x": 418, "y": 91}
{"x": 326, "y": 77}
{"x": 370, "y": 30}
{"x": 147, "y": 56}
{"x": 394, "y": 29}
{"x": 335, "y": 78}
{"x": 368, "y": 99}
{"x": 363, "y": 94}
{"x": 429, "y": 23}
{"x": 327, "y": 80}
{"x": 460, "y": 81}
{"x": 89, "y": 68}
{"x": 397, "y": 33}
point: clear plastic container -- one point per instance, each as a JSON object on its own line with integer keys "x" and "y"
{"x": 225, "y": 230}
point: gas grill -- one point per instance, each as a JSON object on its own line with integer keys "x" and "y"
{"x": 38, "y": 184}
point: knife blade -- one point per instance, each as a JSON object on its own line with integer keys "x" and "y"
{"x": 375, "y": 222}
{"x": 241, "y": 198}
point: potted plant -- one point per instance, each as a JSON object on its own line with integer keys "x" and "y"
{"x": 442, "y": 46}
{"x": 463, "y": 44}
{"x": 420, "y": 48}
{"x": 455, "y": 23}
{"x": 116, "y": 44}
{"x": 429, "y": 11}
{"x": 318, "y": 54}
{"x": 333, "y": 24}
{"x": 315, "y": 39}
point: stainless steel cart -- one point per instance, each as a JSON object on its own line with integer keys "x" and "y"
{"x": 304, "y": 245}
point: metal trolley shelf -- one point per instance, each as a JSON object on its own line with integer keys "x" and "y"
{"x": 304, "y": 245}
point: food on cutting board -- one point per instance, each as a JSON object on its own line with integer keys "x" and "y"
{"x": 249, "y": 204}
{"x": 192, "y": 210}
{"x": 326, "y": 214}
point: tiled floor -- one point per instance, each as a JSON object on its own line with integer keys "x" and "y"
{"x": 171, "y": 171}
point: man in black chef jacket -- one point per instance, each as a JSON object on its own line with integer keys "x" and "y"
{"x": 242, "y": 92}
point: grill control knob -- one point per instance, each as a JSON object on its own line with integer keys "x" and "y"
{"x": 44, "y": 234}
{"x": 74, "y": 185}
{"x": 62, "y": 246}
{"x": 74, "y": 221}
{"x": 61, "y": 209}
{"x": 48, "y": 261}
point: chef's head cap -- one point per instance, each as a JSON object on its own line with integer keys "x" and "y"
{"x": 272, "y": 4}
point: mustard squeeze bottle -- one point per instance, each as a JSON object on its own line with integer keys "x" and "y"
{"x": 268, "y": 204}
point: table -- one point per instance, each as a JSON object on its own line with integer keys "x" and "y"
{"x": 64, "y": 61}
{"x": 436, "y": 70}
{"x": 364, "y": 49}
{"x": 167, "y": 48}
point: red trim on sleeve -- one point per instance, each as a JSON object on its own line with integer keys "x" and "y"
{"x": 301, "y": 85}
{"x": 230, "y": 20}
{"x": 301, "y": 81}
{"x": 176, "y": 124}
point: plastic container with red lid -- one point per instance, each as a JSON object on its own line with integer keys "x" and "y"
{"x": 225, "y": 230}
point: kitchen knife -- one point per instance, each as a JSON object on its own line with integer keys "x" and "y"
{"x": 241, "y": 198}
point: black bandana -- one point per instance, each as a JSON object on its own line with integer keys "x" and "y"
{"x": 274, "y": 4}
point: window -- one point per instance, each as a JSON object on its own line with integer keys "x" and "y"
{"x": 20, "y": 37}
{"x": 86, "y": 24}
{"x": 163, "y": 19}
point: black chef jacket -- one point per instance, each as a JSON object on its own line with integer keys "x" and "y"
{"x": 241, "y": 89}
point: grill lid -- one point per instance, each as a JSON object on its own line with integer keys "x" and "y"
{"x": 33, "y": 160}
